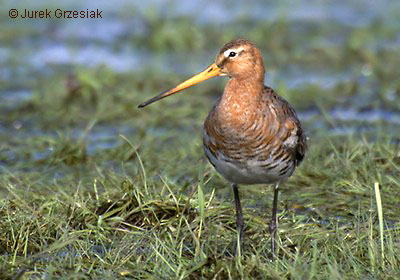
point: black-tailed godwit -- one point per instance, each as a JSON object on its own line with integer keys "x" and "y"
{"x": 251, "y": 135}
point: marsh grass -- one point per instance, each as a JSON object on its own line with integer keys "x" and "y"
{"x": 150, "y": 206}
{"x": 329, "y": 225}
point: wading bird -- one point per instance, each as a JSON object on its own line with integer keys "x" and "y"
{"x": 251, "y": 135}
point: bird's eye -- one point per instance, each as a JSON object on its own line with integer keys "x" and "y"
{"x": 232, "y": 54}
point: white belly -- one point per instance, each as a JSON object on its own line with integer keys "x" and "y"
{"x": 249, "y": 172}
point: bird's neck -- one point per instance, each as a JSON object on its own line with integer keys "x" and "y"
{"x": 241, "y": 99}
{"x": 242, "y": 91}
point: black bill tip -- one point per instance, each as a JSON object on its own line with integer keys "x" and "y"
{"x": 154, "y": 99}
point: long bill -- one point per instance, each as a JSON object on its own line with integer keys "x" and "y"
{"x": 211, "y": 71}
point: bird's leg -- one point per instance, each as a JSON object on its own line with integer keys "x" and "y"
{"x": 273, "y": 224}
{"x": 239, "y": 218}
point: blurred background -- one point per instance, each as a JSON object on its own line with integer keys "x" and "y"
{"x": 70, "y": 87}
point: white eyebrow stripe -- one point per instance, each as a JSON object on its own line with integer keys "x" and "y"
{"x": 228, "y": 51}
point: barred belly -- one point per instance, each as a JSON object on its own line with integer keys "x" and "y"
{"x": 249, "y": 170}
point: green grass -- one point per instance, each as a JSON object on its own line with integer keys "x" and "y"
{"x": 150, "y": 206}
{"x": 147, "y": 227}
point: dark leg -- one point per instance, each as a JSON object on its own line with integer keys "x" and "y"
{"x": 273, "y": 224}
{"x": 239, "y": 217}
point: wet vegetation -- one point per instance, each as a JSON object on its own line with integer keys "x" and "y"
{"x": 92, "y": 187}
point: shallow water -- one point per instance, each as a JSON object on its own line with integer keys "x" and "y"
{"x": 92, "y": 42}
